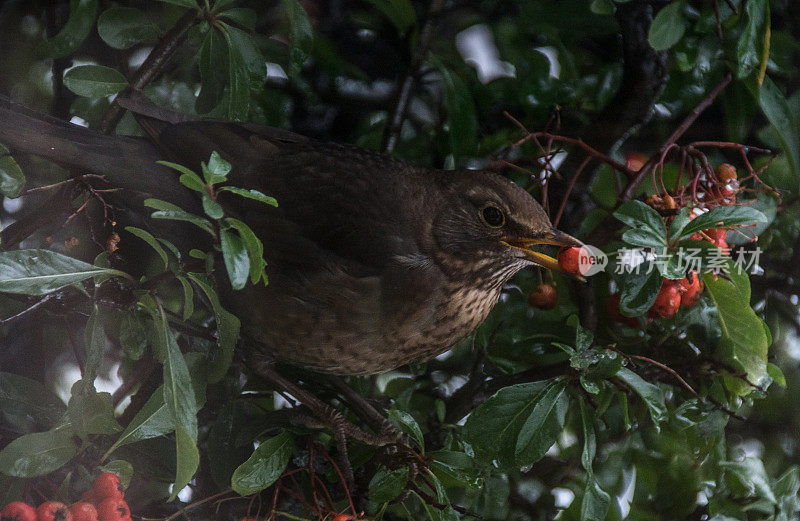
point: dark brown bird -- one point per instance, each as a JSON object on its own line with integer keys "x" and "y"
{"x": 372, "y": 262}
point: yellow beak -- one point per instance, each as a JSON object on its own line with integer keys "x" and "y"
{"x": 554, "y": 237}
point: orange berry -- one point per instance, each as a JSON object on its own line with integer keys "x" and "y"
{"x": 569, "y": 259}
{"x": 690, "y": 289}
{"x": 667, "y": 302}
{"x": 53, "y": 511}
{"x": 18, "y": 511}
{"x": 543, "y": 297}
{"x": 107, "y": 485}
{"x": 113, "y": 509}
{"x": 726, "y": 172}
{"x": 83, "y": 511}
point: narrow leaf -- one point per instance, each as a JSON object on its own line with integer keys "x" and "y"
{"x": 37, "y": 272}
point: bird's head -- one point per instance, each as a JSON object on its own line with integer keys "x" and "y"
{"x": 488, "y": 224}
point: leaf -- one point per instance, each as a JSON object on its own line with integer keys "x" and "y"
{"x": 122, "y": 468}
{"x": 652, "y": 395}
{"x": 238, "y": 80}
{"x": 301, "y": 36}
{"x": 595, "y": 503}
{"x": 250, "y": 194}
{"x": 124, "y": 27}
{"x": 188, "y": 460}
{"x": 151, "y": 421}
{"x": 193, "y": 182}
{"x": 95, "y": 339}
{"x": 26, "y": 404}
{"x": 255, "y": 249}
{"x": 265, "y": 465}
{"x": 640, "y": 216}
{"x": 212, "y": 208}
{"x": 12, "y": 180}
{"x": 747, "y": 49}
{"x": 400, "y": 12}
{"x": 667, "y": 27}
{"x": 188, "y": 297}
{"x": 217, "y": 169}
{"x": 242, "y": 16}
{"x": 189, "y": 4}
{"x": 74, "y": 32}
{"x": 176, "y": 214}
{"x": 151, "y": 241}
{"x": 37, "y": 454}
{"x": 744, "y": 342}
{"x": 386, "y": 485}
{"x": 678, "y": 224}
{"x": 178, "y": 391}
{"x": 644, "y": 239}
{"x": 723, "y": 216}
{"x": 602, "y": 7}
{"x": 542, "y": 427}
{"x": 750, "y": 478}
{"x": 91, "y": 412}
{"x": 213, "y": 64}
{"x": 780, "y": 115}
{"x": 406, "y": 423}
{"x": 133, "y": 335}
{"x": 639, "y": 292}
{"x": 94, "y": 81}
{"x": 237, "y": 261}
{"x": 461, "y": 114}
{"x": 228, "y": 327}
{"x": 37, "y": 272}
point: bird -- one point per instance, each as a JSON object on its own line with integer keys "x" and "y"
{"x": 372, "y": 261}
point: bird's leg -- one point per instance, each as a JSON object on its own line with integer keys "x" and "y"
{"x": 324, "y": 415}
{"x": 371, "y": 416}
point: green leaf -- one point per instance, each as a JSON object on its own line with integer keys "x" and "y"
{"x": 214, "y": 72}
{"x": 122, "y": 468}
{"x": 188, "y": 297}
{"x": 461, "y": 114}
{"x": 242, "y": 16}
{"x": 193, "y": 182}
{"x": 652, "y": 395}
{"x": 12, "y": 180}
{"x": 250, "y": 194}
{"x": 301, "y": 36}
{"x": 188, "y": 460}
{"x": 238, "y": 80}
{"x": 74, "y": 32}
{"x": 749, "y": 478}
{"x": 217, "y": 169}
{"x": 493, "y": 429}
{"x": 400, "y": 12}
{"x": 639, "y": 292}
{"x": 178, "y": 391}
{"x": 386, "y": 485}
{"x": 37, "y": 454}
{"x": 595, "y": 502}
{"x": 678, "y": 224}
{"x": 645, "y": 239}
{"x": 265, "y": 465}
{"x": 37, "y": 272}
{"x": 541, "y": 428}
{"x": 189, "y": 4}
{"x": 228, "y": 327}
{"x": 640, "y": 216}
{"x": 667, "y": 27}
{"x": 602, "y": 7}
{"x": 172, "y": 212}
{"x": 406, "y": 423}
{"x": 151, "y": 421}
{"x": 90, "y": 412}
{"x": 124, "y": 27}
{"x": 749, "y": 45}
{"x": 26, "y": 404}
{"x": 94, "y": 81}
{"x": 212, "y": 208}
{"x": 151, "y": 241}
{"x": 255, "y": 249}
{"x": 133, "y": 335}
{"x": 744, "y": 342}
{"x": 95, "y": 339}
{"x": 780, "y": 115}
{"x": 723, "y": 216}
{"x": 237, "y": 260}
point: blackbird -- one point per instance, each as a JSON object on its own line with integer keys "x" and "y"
{"x": 373, "y": 262}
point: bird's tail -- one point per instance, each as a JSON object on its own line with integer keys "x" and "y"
{"x": 127, "y": 163}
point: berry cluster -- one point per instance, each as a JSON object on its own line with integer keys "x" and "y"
{"x": 103, "y": 502}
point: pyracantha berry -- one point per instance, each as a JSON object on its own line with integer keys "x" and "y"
{"x": 690, "y": 289}
{"x": 113, "y": 509}
{"x": 107, "y": 486}
{"x": 83, "y": 511}
{"x": 569, "y": 259}
{"x": 18, "y": 511}
{"x": 667, "y": 302}
{"x": 726, "y": 172}
{"x": 543, "y": 297}
{"x": 53, "y": 511}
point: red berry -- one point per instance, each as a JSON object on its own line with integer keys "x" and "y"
{"x": 569, "y": 259}
{"x": 726, "y": 172}
{"x": 83, "y": 511}
{"x": 89, "y": 497}
{"x": 106, "y": 486}
{"x": 667, "y": 302}
{"x": 53, "y": 511}
{"x": 612, "y": 306}
{"x": 635, "y": 160}
{"x": 18, "y": 511}
{"x": 113, "y": 509}
{"x": 690, "y": 289}
{"x": 543, "y": 297}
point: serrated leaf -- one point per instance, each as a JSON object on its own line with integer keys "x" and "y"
{"x": 124, "y": 27}
{"x": 37, "y": 454}
{"x": 12, "y": 180}
{"x": 667, "y": 27}
{"x": 228, "y": 327}
{"x": 151, "y": 241}
{"x": 37, "y": 272}
{"x": 722, "y": 216}
{"x": 640, "y": 216}
{"x": 265, "y": 465}
{"x": 94, "y": 81}
{"x": 74, "y": 32}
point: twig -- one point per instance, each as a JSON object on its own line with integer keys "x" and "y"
{"x": 197, "y": 503}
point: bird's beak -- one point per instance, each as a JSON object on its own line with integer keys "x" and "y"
{"x": 554, "y": 237}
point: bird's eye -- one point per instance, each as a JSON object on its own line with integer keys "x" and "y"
{"x": 493, "y": 216}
